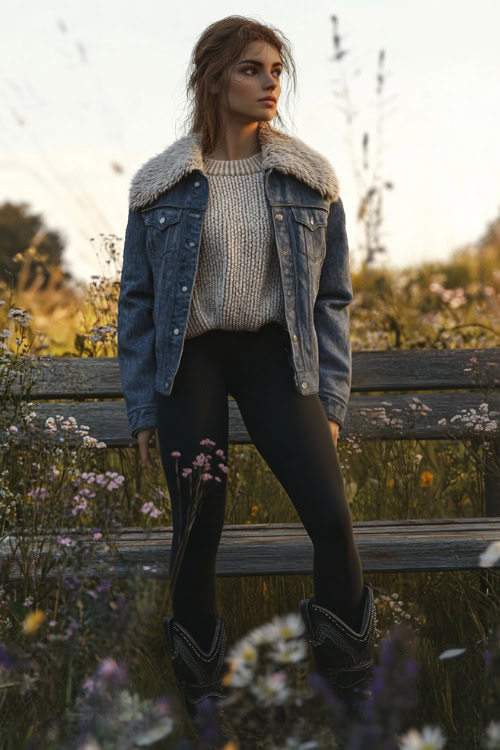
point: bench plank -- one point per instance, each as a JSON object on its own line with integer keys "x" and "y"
{"x": 108, "y": 420}
{"x": 407, "y": 370}
{"x": 286, "y": 549}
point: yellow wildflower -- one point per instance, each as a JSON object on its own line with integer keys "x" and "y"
{"x": 33, "y": 621}
{"x": 426, "y": 479}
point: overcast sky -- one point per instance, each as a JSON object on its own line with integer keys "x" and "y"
{"x": 89, "y": 83}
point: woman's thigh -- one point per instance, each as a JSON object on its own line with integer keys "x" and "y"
{"x": 196, "y": 409}
{"x": 292, "y": 433}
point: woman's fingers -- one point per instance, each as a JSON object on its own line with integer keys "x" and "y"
{"x": 143, "y": 437}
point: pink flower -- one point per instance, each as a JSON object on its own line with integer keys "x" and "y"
{"x": 175, "y": 454}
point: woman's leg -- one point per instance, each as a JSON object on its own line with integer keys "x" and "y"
{"x": 197, "y": 408}
{"x": 292, "y": 434}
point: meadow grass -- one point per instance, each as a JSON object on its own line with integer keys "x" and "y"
{"x": 63, "y": 638}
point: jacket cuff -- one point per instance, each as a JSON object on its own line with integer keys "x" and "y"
{"x": 334, "y": 409}
{"x": 141, "y": 419}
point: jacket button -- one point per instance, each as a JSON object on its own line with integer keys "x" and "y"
{"x": 285, "y": 252}
{"x": 166, "y": 384}
{"x": 176, "y": 331}
{"x": 312, "y": 221}
{"x": 304, "y": 385}
{"x": 162, "y": 220}
{"x": 279, "y": 217}
{"x": 197, "y": 184}
{"x": 294, "y": 337}
{"x": 288, "y": 291}
{"x": 191, "y": 244}
{"x": 184, "y": 288}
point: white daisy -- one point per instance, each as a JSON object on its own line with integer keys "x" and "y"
{"x": 241, "y": 673}
{"x": 263, "y": 634}
{"x": 244, "y": 651}
{"x": 287, "y": 652}
{"x": 493, "y": 735}
{"x": 288, "y": 626}
{"x": 271, "y": 689}
{"x": 431, "y": 738}
{"x": 490, "y": 555}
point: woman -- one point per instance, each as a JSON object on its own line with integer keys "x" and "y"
{"x": 236, "y": 281}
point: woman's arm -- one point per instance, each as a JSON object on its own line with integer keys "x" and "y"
{"x": 331, "y": 318}
{"x": 136, "y": 332}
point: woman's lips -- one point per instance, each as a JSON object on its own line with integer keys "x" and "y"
{"x": 267, "y": 101}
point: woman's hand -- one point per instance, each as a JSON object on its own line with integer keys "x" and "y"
{"x": 144, "y": 437}
{"x": 334, "y": 427}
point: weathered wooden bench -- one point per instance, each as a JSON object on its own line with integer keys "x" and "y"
{"x": 446, "y": 381}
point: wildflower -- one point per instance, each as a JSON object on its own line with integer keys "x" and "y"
{"x": 286, "y": 653}
{"x": 242, "y": 660}
{"x": 489, "y": 557}
{"x": 90, "y": 743}
{"x": 430, "y": 739}
{"x": 451, "y": 652}
{"x": 288, "y": 626}
{"x": 426, "y": 479}
{"x": 66, "y": 541}
{"x": 162, "y": 728}
{"x": 175, "y": 454}
{"x": 271, "y": 689}
{"x": 129, "y": 707}
{"x": 109, "y": 670}
{"x": 33, "y": 621}
{"x": 263, "y": 634}
{"x": 493, "y": 735}
{"x": 245, "y": 651}
{"x": 150, "y": 509}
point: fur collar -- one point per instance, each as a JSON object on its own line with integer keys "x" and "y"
{"x": 280, "y": 151}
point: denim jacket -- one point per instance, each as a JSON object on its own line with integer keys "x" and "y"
{"x": 167, "y": 202}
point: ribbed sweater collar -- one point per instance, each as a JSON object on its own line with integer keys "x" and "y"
{"x": 250, "y": 165}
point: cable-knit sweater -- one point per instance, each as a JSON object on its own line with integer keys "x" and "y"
{"x": 237, "y": 285}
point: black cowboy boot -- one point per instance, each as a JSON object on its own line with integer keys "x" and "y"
{"x": 198, "y": 673}
{"x": 343, "y": 656}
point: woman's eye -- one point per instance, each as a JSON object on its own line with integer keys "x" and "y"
{"x": 253, "y": 69}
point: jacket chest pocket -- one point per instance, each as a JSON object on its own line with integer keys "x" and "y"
{"x": 310, "y": 224}
{"x": 163, "y": 224}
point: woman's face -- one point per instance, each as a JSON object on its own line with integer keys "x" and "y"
{"x": 254, "y": 76}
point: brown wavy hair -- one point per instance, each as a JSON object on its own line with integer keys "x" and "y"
{"x": 215, "y": 53}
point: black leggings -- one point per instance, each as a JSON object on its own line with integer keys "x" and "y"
{"x": 292, "y": 434}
